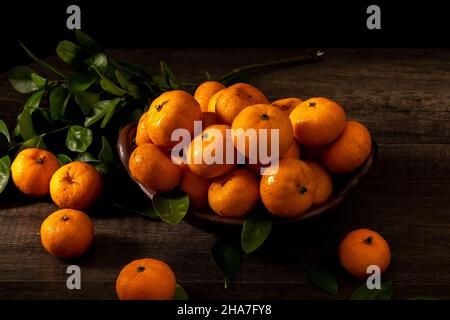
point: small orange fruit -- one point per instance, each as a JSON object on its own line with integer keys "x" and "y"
{"x": 293, "y": 152}
{"x": 234, "y": 194}
{"x": 362, "y": 248}
{"x": 317, "y": 121}
{"x": 262, "y": 117}
{"x": 227, "y": 103}
{"x": 196, "y": 187}
{"x": 151, "y": 167}
{"x": 290, "y": 191}
{"x": 146, "y": 279}
{"x": 208, "y": 119}
{"x": 287, "y": 104}
{"x": 324, "y": 182}
{"x": 205, "y": 91}
{"x": 170, "y": 111}
{"x": 207, "y": 153}
{"x": 32, "y": 170}
{"x": 350, "y": 150}
{"x": 141, "y": 132}
{"x": 76, "y": 185}
{"x": 67, "y": 233}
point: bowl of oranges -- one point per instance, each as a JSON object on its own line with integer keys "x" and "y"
{"x": 235, "y": 153}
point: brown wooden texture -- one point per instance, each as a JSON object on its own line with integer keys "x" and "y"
{"x": 400, "y": 94}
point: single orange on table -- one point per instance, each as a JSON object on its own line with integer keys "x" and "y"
{"x": 205, "y": 91}
{"x": 227, "y": 103}
{"x": 141, "y": 132}
{"x": 260, "y": 117}
{"x": 234, "y": 194}
{"x": 153, "y": 169}
{"x": 67, "y": 233}
{"x": 324, "y": 182}
{"x": 32, "y": 170}
{"x": 317, "y": 121}
{"x": 349, "y": 151}
{"x": 287, "y": 104}
{"x": 363, "y": 248}
{"x": 76, "y": 185}
{"x": 172, "y": 110}
{"x": 196, "y": 187}
{"x": 146, "y": 279}
{"x": 290, "y": 190}
{"x": 207, "y": 153}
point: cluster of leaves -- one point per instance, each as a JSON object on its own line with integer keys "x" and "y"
{"x": 78, "y": 116}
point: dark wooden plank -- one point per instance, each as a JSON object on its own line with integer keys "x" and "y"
{"x": 400, "y": 94}
{"x": 398, "y": 199}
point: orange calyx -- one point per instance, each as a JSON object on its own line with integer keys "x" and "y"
{"x": 265, "y": 117}
{"x": 141, "y": 269}
{"x": 303, "y": 189}
{"x": 312, "y": 104}
{"x": 65, "y": 218}
{"x": 368, "y": 240}
{"x": 40, "y": 160}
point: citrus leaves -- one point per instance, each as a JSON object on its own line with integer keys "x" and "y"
{"x": 68, "y": 52}
{"x": 171, "y": 208}
{"x": 322, "y": 279}
{"x": 59, "y": 97}
{"x": 4, "y": 131}
{"x": 227, "y": 257}
{"x": 255, "y": 231}
{"x": 384, "y": 293}
{"x": 78, "y": 138}
{"x": 102, "y": 110}
{"x": 5, "y": 164}
{"x": 25, "y": 80}
{"x": 180, "y": 293}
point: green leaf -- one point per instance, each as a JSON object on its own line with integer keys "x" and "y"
{"x": 132, "y": 69}
{"x": 255, "y": 231}
{"x": 207, "y": 75}
{"x": 81, "y": 82}
{"x": 34, "y": 100}
{"x": 34, "y": 142}
{"x": 98, "y": 112}
{"x": 106, "y": 154}
{"x": 26, "y": 125}
{"x": 148, "y": 211}
{"x": 58, "y": 101}
{"x": 108, "y": 85}
{"x": 4, "y": 130}
{"x": 63, "y": 159}
{"x": 169, "y": 77}
{"x": 25, "y": 80}
{"x": 171, "y": 207}
{"x": 86, "y": 41}
{"x": 180, "y": 293}
{"x": 69, "y": 52}
{"x": 41, "y": 62}
{"x": 99, "y": 61}
{"x": 78, "y": 138}
{"x": 85, "y": 157}
{"x": 127, "y": 84}
{"x": 5, "y": 171}
{"x": 110, "y": 112}
{"x": 86, "y": 101}
{"x": 227, "y": 257}
{"x": 321, "y": 279}
{"x": 101, "y": 167}
{"x": 384, "y": 293}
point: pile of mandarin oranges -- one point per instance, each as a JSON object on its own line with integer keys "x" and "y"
{"x": 315, "y": 141}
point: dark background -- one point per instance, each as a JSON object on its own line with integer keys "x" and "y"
{"x": 172, "y": 24}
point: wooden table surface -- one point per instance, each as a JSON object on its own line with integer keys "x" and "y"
{"x": 402, "y": 95}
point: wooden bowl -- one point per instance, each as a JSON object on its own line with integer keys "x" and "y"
{"x": 343, "y": 185}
